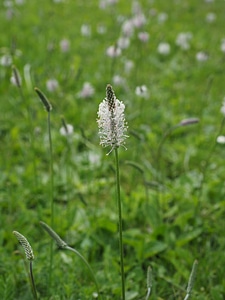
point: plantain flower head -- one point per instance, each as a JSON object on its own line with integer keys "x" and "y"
{"x": 111, "y": 121}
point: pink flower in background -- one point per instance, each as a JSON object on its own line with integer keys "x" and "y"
{"x": 113, "y": 51}
{"x": 87, "y": 91}
{"x": 64, "y": 45}
{"x": 139, "y": 20}
{"x": 143, "y": 36}
{"x": 52, "y": 85}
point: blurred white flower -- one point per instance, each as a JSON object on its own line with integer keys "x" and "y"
{"x": 123, "y": 42}
{"x": 183, "y": 40}
{"x": 111, "y": 121}
{"x": 222, "y": 46}
{"x": 163, "y": 48}
{"x": 222, "y": 110}
{"x": 118, "y": 80}
{"x": 162, "y": 17}
{"x": 221, "y": 139}
{"x": 19, "y": 2}
{"x": 142, "y": 91}
{"x": 113, "y": 51}
{"x": 210, "y": 17}
{"x": 16, "y": 78}
{"x": 87, "y": 91}
{"x": 128, "y": 66}
{"x": 64, "y": 45}
{"x": 6, "y": 60}
{"x": 103, "y": 4}
{"x": 128, "y": 28}
{"x": 85, "y": 30}
{"x": 94, "y": 159}
{"x": 67, "y": 129}
{"x": 136, "y": 8}
{"x": 101, "y": 29}
{"x": 143, "y": 36}
{"x": 8, "y": 3}
{"x": 52, "y": 84}
{"x": 202, "y": 56}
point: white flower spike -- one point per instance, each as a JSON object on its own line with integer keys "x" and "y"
{"x": 111, "y": 121}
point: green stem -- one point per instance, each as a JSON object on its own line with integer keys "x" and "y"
{"x": 86, "y": 263}
{"x": 120, "y": 224}
{"x": 32, "y": 282}
{"x": 51, "y": 193}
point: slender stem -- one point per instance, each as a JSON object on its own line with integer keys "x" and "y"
{"x": 32, "y": 282}
{"x": 120, "y": 224}
{"x": 51, "y": 193}
{"x": 87, "y": 264}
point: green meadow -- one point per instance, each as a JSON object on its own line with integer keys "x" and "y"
{"x": 166, "y": 62}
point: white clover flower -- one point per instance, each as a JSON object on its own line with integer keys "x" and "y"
{"x": 101, "y": 29}
{"x": 183, "y": 39}
{"x": 111, "y": 121}
{"x": 202, "y": 56}
{"x": 162, "y": 17}
{"x": 113, "y": 51}
{"x": 128, "y": 28}
{"x": 123, "y": 42}
{"x": 85, "y": 30}
{"x": 52, "y": 84}
{"x": 87, "y": 91}
{"x": 221, "y": 139}
{"x": 6, "y": 60}
{"x": 210, "y": 17}
{"x": 66, "y": 129}
{"x": 222, "y": 46}
{"x": 118, "y": 80}
{"x": 163, "y": 48}
{"x": 128, "y": 66}
{"x": 142, "y": 91}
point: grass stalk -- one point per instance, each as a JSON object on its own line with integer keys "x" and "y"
{"x": 51, "y": 192}
{"x": 32, "y": 282}
{"x": 120, "y": 224}
{"x": 48, "y": 108}
{"x": 63, "y": 245}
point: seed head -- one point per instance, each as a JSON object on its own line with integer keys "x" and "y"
{"x": 111, "y": 121}
{"x": 25, "y": 244}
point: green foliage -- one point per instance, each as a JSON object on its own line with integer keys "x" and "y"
{"x": 172, "y": 177}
